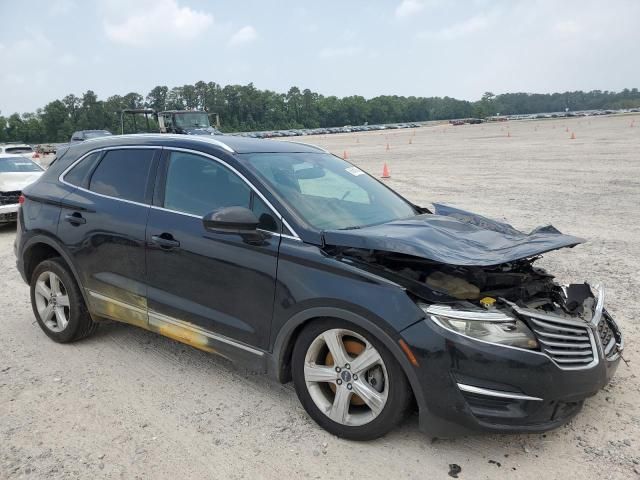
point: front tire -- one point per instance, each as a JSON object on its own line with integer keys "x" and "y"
{"x": 348, "y": 381}
{"x": 58, "y": 304}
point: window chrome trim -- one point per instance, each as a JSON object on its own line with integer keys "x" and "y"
{"x": 118, "y": 147}
{"x": 295, "y": 236}
{"x": 249, "y": 184}
{"x": 161, "y": 136}
{"x": 496, "y": 393}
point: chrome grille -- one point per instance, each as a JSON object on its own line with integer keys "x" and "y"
{"x": 569, "y": 343}
{"x": 9, "y": 198}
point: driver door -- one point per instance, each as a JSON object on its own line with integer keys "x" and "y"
{"x": 214, "y": 291}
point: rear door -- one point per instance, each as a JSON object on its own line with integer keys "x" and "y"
{"x": 102, "y": 225}
{"x": 212, "y": 290}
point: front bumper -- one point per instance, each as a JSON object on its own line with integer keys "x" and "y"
{"x": 9, "y": 213}
{"x": 469, "y": 385}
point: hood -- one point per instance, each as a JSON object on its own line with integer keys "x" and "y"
{"x": 16, "y": 181}
{"x": 454, "y": 237}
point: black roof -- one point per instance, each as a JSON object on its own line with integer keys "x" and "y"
{"x": 228, "y": 143}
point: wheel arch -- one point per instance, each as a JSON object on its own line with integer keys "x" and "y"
{"x": 40, "y": 248}
{"x": 280, "y": 361}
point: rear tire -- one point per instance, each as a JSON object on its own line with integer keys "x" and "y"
{"x": 348, "y": 381}
{"x": 58, "y": 304}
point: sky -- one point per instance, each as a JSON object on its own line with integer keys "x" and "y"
{"x": 456, "y": 48}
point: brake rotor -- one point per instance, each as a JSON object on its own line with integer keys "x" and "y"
{"x": 353, "y": 348}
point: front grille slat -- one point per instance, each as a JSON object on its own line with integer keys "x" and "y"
{"x": 568, "y": 342}
{"x": 9, "y": 198}
{"x": 558, "y": 336}
{"x": 565, "y": 344}
{"x": 554, "y": 327}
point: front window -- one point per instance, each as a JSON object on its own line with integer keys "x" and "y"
{"x": 327, "y": 192}
{"x": 12, "y": 164}
{"x": 192, "y": 120}
{"x": 199, "y": 185}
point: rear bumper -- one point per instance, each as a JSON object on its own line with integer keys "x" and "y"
{"x": 485, "y": 387}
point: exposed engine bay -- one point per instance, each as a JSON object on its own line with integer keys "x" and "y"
{"x": 556, "y": 316}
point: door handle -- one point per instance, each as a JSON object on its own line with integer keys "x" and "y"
{"x": 75, "y": 218}
{"x": 165, "y": 240}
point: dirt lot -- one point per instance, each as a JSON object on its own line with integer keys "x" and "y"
{"x": 128, "y": 404}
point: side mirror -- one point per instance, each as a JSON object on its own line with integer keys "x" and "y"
{"x": 239, "y": 220}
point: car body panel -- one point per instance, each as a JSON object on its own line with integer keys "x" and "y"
{"x": 454, "y": 237}
{"x": 247, "y": 300}
{"x": 218, "y": 282}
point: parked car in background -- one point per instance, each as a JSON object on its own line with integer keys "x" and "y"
{"x": 82, "y": 135}
{"x": 292, "y": 261}
{"x": 16, "y": 172}
{"x": 21, "y": 149}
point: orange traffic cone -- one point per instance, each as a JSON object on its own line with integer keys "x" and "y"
{"x": 345, "y": 155}
{"x": 385, "y": 171}
{"x": 573, "y": 136}
{"x": 388, "y": 148}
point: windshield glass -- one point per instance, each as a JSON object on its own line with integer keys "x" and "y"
{"x": 192, "y": 120}
{"x": 327, "y": 192}
{"x": 19, "y": 150}
{"x": 12, "y": 164}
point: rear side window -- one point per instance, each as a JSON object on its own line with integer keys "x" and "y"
{"x": 79, "y": 175}
{"x": 123, "y": 174}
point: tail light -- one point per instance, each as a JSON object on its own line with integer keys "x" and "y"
{"x": 21, "y": 199}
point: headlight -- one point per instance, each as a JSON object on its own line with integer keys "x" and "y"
{"x": 488, "y": 326}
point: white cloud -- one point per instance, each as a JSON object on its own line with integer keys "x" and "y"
{"x": 458, "y": 30}
{"x": 567, "y": 27}
{"x": 61, "y": 7}
{"x": 161, "y": 20}
{"x": 339, "y": 52}
{"x": 67, "y": 59}
{"x": 243, "y": 36}
{"x": 408, "y": 8}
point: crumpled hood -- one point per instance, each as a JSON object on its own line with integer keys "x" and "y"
{"x": 454, "y": 237}
{"x": 16, "y": 181}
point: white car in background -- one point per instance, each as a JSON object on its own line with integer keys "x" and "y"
{"x": 16, "y": 172}
{"x": 21, "y": 149}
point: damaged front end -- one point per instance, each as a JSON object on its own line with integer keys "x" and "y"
{"x": 514, "y": 304}
{"x": 510, "y": 348}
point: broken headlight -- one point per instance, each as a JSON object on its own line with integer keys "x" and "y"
{"x": 487, "y": 326}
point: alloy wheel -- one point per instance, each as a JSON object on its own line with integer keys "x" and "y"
{"x": 346, "y": 377}
{"x": 52, "y": 301}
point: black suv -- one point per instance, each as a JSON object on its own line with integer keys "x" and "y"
{"x": 292, "y": 261}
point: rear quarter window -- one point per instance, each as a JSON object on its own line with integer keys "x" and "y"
{"x": 123, "y": 174}
{"x": 79, "y": 174}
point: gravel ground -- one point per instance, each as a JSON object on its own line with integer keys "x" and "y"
{"x": 128, "y": 404}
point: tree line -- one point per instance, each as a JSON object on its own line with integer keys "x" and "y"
{"x": 246, "y": 108}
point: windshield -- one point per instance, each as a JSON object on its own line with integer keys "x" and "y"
{"x": 327, "y": 192}
{"x": 11, "y": 164}
{"x": 19, "y": 150}
{"x": 192, "y": 120}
